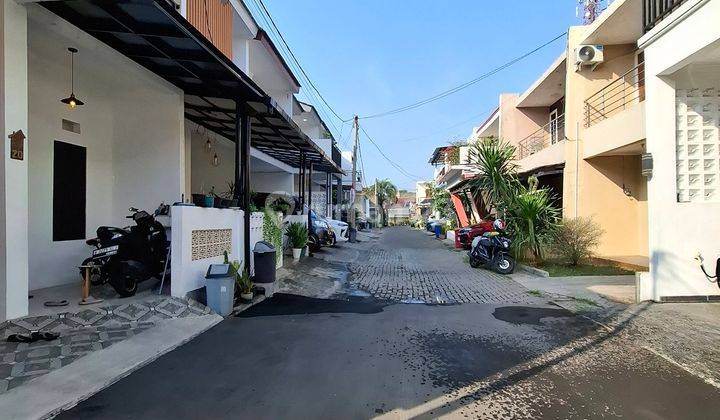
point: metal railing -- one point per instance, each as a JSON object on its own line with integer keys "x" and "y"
{"x": 656, "y": 10}
{"x": 616, "y": 96}
{"x": 549, "y": 134}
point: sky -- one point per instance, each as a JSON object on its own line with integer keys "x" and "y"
{"x": 369, "y": 56}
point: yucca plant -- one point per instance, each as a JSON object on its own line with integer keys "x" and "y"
{"x": 533, "y": 221}
{"x": 497, "y": 182}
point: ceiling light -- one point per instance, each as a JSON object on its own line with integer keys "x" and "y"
{"x": 71, "y": 101}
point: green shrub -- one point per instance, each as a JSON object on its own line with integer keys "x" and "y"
{"x": 297, "y": 233}
{"x": 272, "y": 232}
{"x": 576, "y": 239}
{"x": 533, "y": 220}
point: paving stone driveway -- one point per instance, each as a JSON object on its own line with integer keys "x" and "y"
{"x": 406, "y": 264}
{"x": 91, "y": 329}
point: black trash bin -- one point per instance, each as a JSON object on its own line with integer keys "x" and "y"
{"x": 264, "y": 254}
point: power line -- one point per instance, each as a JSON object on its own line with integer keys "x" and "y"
{"x": 410, "y": 139}
{"x": 464, "y": 85}
{"x": 395, "y": 165}
{"x": 272, "y": 21}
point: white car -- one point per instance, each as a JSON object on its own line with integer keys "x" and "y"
{"x": 340, "y": 229}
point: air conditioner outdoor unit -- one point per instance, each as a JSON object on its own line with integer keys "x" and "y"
{"x": 590, "y": 55}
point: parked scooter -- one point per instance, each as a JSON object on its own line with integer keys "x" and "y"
{"x": 492, "y": 250}
{"x": 125, "y": 257}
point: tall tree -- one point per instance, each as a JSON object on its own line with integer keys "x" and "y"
{"x": 386, "y": 194}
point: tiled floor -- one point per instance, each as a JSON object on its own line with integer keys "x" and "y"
{"x": 81, "y": 332}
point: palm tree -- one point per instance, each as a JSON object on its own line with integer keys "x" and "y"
{"x": 386, "y": 193}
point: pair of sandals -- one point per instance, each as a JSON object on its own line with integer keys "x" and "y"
{"x": 33, "y": 337}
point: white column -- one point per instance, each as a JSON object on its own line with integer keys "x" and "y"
{"x": 13, "y": 173}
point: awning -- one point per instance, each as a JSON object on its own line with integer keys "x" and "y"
{"x": 153, "y": 34}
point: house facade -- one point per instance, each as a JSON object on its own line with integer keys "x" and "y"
{"x": 631, "y": 139}
{"x": 177, "y": 101}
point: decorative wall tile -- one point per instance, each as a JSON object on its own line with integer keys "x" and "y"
{"x": 210, "y": 243}
{"x": 698, "y": 144}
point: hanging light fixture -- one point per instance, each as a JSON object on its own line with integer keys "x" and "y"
{"x": 208, "y": 145}
{"x": 71, "y": 101}
{"x": 216, "y": 160}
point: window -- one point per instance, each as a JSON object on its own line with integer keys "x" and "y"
{"x": 69, "y": 191}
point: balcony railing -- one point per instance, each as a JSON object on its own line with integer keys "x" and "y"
{"x": 616, "y": 96}
{"x": 656, "y": 10}
{"x": 549, "y": 134}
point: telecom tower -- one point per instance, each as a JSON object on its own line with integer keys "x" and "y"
{"x": 590, "y": 10}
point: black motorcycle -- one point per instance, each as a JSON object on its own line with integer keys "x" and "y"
{"x": 124, "y": 257}
{"x": 492, "y": 250}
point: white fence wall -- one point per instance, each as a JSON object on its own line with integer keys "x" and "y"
{"x": 199, "y": 235}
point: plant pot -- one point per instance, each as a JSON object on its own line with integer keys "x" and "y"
{"x": 246, "y": 296}
{"x": 296, "y": 253}
{"x": 233, "y": 203}
{"x": 209, "y": 201}
{"x": 218, "y": 202}
{"x": 198, "y": 200}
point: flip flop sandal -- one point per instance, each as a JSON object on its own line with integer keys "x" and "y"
{"x": 19, "y": 338}
{"x": 44, "y": 335}
{"x": 54, "y": 303}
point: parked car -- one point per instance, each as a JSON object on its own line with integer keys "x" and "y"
{"x": 339, "y": 228}
{"x": 320, "y": 234}
{"x": 467, "y": 234}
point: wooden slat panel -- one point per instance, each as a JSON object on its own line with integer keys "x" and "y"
{"x": 216, "y": 24}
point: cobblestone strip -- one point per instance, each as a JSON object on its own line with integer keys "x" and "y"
{"x": 425, "y": 273}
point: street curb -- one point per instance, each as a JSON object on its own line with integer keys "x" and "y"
{"x": 49, "y": 395}
{"x": 532, "y": 270}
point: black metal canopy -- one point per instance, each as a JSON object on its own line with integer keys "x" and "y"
{"x": 153, "y": 34}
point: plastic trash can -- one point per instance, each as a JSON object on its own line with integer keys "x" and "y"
{"x": 438, "y": 230}
{"x": 220, "y": 287}
{"x": 264, "y": 254}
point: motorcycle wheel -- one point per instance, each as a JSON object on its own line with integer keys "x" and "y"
{"x": 504, "y": 264}
{"x": 96, "y": 275}
{"x": 313, "y": 243}
{"x": 474, "y": 262}
{"x": 124, "y": 285}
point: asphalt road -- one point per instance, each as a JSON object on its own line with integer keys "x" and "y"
{"x": 306, "y": 358}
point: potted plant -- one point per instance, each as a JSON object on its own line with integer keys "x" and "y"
{"x": 243, "y": 283}
{"x": 297, "y": 233}
{"x": 229, "y": 195}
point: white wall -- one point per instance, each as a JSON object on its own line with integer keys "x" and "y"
{"x": 132, "y": 126}
{"x": 13, "y": 173}
{"x": 188, "y": 274}
{"x": 269, "y": 182}
{"x": 205, "y": 176}
{"x": 673, "y": 271}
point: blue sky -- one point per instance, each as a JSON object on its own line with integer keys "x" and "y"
{"x": 370, "y": 56}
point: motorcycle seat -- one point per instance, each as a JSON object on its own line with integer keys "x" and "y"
{"x": 92, "y": 242}
{"x": 485, "y": 241}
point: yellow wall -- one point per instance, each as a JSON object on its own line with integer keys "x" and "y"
{"x": 518, "y": 123}
{"x": 596, "y": 184}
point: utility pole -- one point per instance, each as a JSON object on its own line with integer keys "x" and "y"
{"x": 351, "y": 210}
{"x": 377, "y": 206}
